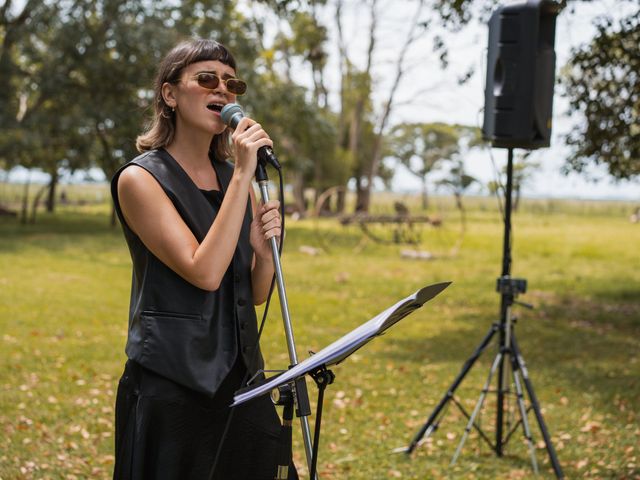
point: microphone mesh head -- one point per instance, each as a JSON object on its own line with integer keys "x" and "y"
{"x": 231, "y": 114}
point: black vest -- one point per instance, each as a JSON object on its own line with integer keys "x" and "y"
{"x": 175, "y": 328}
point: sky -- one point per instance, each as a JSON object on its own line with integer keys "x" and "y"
{"x": 430, "y": 94}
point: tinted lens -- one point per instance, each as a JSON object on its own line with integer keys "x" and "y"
{"x": 208, "y": 80}
{"x": 236, "y": 86}
{"x": 211, "y": 81}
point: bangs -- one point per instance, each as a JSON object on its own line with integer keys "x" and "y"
{"x": 204, "y": 50}
{"x": 195, "y": 51}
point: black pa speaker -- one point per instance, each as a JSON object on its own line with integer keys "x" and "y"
{"x": 520, "y": 75}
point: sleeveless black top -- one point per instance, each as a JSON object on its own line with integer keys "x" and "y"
{"x": 186, "y": 334}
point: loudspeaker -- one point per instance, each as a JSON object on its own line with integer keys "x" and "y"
{"x": 520, "y": 75}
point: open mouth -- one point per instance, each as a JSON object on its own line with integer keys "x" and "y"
{"x": 215, "y": 107}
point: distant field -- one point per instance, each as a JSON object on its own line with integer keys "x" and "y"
{"x": 11, "y": 196}
{"x": 64, "y": 300}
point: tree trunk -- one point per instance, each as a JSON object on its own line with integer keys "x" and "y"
{"x": 425, "y": 197}
{"x": 25, "y": 201}
{"x": 463, "y": 215}
{"x": 363, "y": 195}
{"x": 363, "y": 201}
{"x": 372, "y": 167}
{"x": 51, "y": 198}
{"x": 36, "y": 203}
{"x": 322, "y": 202}
{"x": 356, "y": 116}
{"x": 298, "y": 193}
{"x": 341, "y": 202}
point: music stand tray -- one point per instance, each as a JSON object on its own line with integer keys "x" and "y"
{"x": 337, "y": 351}
{"x": 316, "y": 365}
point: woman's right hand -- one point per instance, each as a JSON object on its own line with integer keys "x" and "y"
{"x": 247, "y": 138}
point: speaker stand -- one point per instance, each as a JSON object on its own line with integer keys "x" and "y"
{"x": 507, "y": 358}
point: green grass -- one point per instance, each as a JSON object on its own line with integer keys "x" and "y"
{"x": 64, "y": 285}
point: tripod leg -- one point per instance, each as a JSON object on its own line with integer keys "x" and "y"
{"x": 536, "y": 408}
{"x": 427, "y": 429}
{"x": 478, "y": 407}
{"x": 523, "y": 415}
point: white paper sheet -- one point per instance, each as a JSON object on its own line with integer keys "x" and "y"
{"x": 349, "y": 343}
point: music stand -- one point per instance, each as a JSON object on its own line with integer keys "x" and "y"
{"x": 317, "y": 365}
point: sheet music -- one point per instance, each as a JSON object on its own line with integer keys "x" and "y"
{"x": 349, "y": 343}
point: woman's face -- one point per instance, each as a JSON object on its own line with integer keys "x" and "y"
{"x": 197, "y": 107}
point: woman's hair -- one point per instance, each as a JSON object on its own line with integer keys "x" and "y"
{"x": 162, "y": 127}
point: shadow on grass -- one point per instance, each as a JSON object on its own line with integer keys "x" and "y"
{"x": 57, "y": 231}
{"x": 621, "y": 293}
{"x": 560, "y": 352}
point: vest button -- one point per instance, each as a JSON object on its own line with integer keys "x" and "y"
{"x": 243, "y": 325}
{"x": 242, "y": 302}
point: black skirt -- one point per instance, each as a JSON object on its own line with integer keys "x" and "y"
{"x": 165, "y": 431}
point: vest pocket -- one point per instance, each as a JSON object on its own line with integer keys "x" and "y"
{"x": 176, "y": 346}
{"x": 170, "y": 315}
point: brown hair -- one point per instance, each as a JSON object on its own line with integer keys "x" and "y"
{"x": 162, "y": 127}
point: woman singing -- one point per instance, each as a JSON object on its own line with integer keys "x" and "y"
{"x": 201, "y": 256}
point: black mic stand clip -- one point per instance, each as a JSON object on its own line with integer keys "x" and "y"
{"x": 285, "y": 395}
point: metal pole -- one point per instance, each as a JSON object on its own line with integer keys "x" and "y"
{"x": 505, "y": 307}
{"x": 263, "y": 183}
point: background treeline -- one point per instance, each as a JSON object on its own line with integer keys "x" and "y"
{"x": 75, "y": 78}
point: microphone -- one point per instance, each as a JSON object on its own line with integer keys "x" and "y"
{"x": 231, "y": 115}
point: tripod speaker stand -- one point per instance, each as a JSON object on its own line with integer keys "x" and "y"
{"x": 508, "y": 359}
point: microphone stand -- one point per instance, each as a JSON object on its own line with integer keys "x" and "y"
{"x": 301, "y": 395}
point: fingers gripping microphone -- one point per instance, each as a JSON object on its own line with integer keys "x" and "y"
{"x": 231, "y": 115}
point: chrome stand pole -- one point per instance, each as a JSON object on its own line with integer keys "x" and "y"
{"x": 263, "y": 183}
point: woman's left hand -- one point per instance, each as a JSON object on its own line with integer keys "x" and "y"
{"x": 265, "y": 225}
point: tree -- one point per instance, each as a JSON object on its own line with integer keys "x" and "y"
{"x": 77, "y": 84}
{"x": 36, "y": 115}
{"x": 80, "y": 102}
{"x": 306, "y": 41}
{"x": 20, "y": 29}
{"x": 113, "y": 47}
{"x": 603, "y": 85}
{"x": 302, "y": 126}
{"x": 457, "y": 181}
{"x": 360, "y": 124}
{"x": 304, "y": 135}
{"x": 523, "y": 171}
{"x": 367, "y": 168}
{"x": 420, "y": 147}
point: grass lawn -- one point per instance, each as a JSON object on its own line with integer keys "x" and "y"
{"x": 64, "y": 293}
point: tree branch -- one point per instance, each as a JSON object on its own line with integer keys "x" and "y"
{"x": 411, "y": 37}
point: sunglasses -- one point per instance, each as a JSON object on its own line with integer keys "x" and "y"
{"x": 211, "y": 81}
